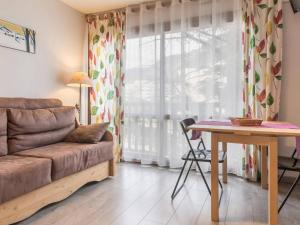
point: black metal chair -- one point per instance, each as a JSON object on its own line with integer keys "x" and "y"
{"x": 288, "y": 164}
{"x": 195, "y": 155}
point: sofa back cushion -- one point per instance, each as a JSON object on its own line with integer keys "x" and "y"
{"x": 3, "y": 132}
{"x": 29, "y": 103}
{"x": 39, "y": 127}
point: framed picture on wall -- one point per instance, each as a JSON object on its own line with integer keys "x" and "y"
{"x": 17, "y": 37}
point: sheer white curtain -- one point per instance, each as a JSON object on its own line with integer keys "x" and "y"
{"x": 183, "y": 59}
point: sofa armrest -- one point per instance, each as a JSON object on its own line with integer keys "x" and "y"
{"x": 107, "y": 136}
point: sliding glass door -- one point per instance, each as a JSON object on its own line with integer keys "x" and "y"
{"x": 177, "y": 66}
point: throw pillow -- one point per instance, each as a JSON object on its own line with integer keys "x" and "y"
{"x": 88, "y": 133}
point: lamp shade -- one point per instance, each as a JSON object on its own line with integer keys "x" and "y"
{"x": 80, "y": 78}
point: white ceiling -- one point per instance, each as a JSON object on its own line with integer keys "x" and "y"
{"x": 92, "y": 6}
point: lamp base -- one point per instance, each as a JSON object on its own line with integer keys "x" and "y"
{"x": 77, "y": 107}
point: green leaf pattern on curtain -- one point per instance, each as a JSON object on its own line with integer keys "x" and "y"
{"x": 106, "y": 49}
{"x": 262, "y": 46}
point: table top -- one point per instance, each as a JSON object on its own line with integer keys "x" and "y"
{"x": 243, "y": 130}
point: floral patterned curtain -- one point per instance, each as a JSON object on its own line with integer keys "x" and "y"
{"x": 262, "y": 43}
{"x": 106, "y": 61}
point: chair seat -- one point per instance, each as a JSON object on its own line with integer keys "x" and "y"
{"x": 204, "y": 156}
{"x": 287, "y": 163}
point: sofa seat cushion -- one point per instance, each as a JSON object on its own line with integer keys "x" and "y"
{"x": 20, "y": 175}
{"x": 29, "y": 129}
{"x": 69, "y": 158}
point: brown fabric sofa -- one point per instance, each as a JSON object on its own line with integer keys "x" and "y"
{"x": 34, "y": 157}
{"x": 69, "y": 158}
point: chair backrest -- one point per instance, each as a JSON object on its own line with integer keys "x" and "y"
{"x": 184, "y": 124}
{"x": 187, "y": 122}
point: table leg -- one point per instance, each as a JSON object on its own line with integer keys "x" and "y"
{"x": 273, "y": 182}
{"x": 264, "y": 167}
{"x": 214, "y": 178}
{"x": 224, "y": 164}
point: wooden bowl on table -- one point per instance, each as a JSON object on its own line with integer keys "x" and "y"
{"x": 243, "y": 121}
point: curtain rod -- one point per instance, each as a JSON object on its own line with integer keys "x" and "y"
{"x": 123, "y": 9}
{"x": 108, "y": 11}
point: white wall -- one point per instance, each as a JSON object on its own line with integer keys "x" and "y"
{"x": 61, "y": 38}
{"x": 60, "y": 33}
{"x": 290, "y": 91}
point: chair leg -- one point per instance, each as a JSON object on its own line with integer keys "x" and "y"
{"x": 289, "y": 193}
{"x": 281, "y": 176}
{"x": 200, "y": 142}
{"x": 206, "y": 184}
{"x": 221, "y": 190}
{"x": 202, "y": 175}
{"x": 203, "y": 145}
{"x": 220, "y": 183}
{"x": 187, "y": 174}
{"x": 175, "y": 191}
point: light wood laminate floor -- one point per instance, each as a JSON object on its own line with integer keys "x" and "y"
{"x": 141, "y": 195}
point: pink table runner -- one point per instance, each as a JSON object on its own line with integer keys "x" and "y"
{"x": 197, "y": 134}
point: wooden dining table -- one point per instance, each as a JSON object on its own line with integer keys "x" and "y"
{"x": 262, "y": 136}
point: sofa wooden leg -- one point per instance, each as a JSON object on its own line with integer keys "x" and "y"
{"x": 112, "y": 167}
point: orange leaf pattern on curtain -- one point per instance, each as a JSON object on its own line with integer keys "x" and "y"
{"x": 262, "y": 46}
{"x": 106, "y": 68}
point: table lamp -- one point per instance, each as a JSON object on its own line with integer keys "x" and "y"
{"x": 80, "y": 79}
